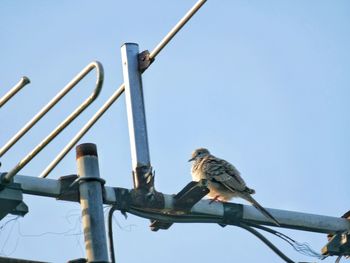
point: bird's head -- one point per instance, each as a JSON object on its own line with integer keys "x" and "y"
{"x": 199, "y": 154}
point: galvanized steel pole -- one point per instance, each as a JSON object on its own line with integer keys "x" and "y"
{"x": 91, "y": 202}
{"x": 141, "y": 163}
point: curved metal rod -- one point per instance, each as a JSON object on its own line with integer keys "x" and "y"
{"x": 119, "y": 91}
{"x": 23, "y": 81}
{"x": 83, "y": 130}
{"x": 68, "y": 120}
{"x": 52, "y": 103}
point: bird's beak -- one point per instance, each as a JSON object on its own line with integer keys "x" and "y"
{"x": 192, "y": 159}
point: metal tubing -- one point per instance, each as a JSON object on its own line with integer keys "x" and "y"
{"x": 57, "y": 98}
{"x": 91, "y": 203}
{"x": 83, "y": 130}
{"x": 136, "y": 114}
{"x": 23, "y": 81}
{"x": 202, "y": 212}
{"x": 67, "y": 121}
{"x": 38, "y": 186}
{"x": 176, "y": 29}
{"x": 297, "y": 220}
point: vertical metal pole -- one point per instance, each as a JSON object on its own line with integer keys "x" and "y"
{"x": 91, "y": 203}
{"x": 141, "y": 164}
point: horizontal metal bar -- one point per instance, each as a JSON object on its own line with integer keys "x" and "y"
{"x": 17, "y": 260}
{"x": 202, "y": 212}
{"x": 68, "y": 120}
{"x": 38, "y": 186}
{"x": 215, "y": 212}
{"x": 298, "y": 220}
{"x": 176, "y": 29}
{"x": 23, "y": 81}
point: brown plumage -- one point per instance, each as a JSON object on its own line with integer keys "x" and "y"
{"x": 224, "y": 180}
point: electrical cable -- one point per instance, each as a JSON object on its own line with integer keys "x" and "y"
{"x": 267, "y": 242}
{"x": 301, "y": 248}
{"x": 110, "y": 233}
{"x": 338, "y": 259}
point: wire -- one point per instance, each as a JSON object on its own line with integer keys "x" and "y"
{"x": 110, "y": 233}
{"x": 302, "y": 248}
{"x": 266, "y": 241}
{"x": 183, "y": 218}
{"x": 338, "y": 259}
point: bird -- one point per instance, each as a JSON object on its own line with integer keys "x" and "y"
{"x": 224, "y": 180}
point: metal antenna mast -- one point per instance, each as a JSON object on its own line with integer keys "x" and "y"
{"x": 89, "y": 189}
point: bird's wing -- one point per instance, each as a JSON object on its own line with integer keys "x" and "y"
{"x": 224, "y": 173}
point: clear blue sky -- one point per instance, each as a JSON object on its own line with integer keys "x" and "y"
{"x": 263, "y": 84}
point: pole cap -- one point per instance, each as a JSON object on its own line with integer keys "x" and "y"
{"x": 86, "y": 149}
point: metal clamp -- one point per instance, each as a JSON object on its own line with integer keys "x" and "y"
{"x": 184, "y": 201}
{"x": 338, "y": 244}
{"x": 144, "y": 60}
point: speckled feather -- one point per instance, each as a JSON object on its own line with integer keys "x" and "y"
{"x": 224, "y": 180}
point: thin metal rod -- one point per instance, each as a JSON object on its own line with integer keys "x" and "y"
{"x": 118, "y": 92}
{"x": 176, "y": 29}
{"x": 56, "y": 99}
{"x": 67, "y": 121}
{"x": 23, "y": 81}
{"x": 91, "y": 202}
{"x": 83, "y": 130}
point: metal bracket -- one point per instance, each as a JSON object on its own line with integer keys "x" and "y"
{"x": 233, "y": 214}
{"x": 11, "y": 200}
{"x": 78, "y": 260}
{"x": 338, "y": 245}
{"x": 184, "y": 201}
{"x": 144, "y": 60}
{"x": 144, "y": 176}
{"x": 69, "y": 188}
{"x": 190, "y": 195}
{"x": 123, "y": 198}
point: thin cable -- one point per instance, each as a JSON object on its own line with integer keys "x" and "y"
{"x": 301, "y": 248}
{"x": 267, "y": 242}
{"x": 110, "y": 233}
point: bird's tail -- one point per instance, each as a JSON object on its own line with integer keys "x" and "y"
{"x": 262, "y": 210}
